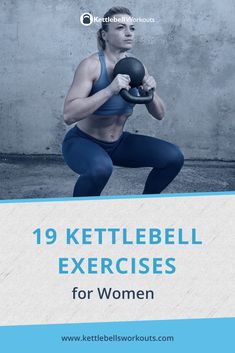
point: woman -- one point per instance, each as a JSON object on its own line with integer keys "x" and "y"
{"x": 97, "y": 141}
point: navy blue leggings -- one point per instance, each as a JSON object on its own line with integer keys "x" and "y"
{"x": 93, "y": 160}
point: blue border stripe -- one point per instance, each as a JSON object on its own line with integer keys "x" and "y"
{"x": 194, "y": 336}
{"x": 119, "y": 197}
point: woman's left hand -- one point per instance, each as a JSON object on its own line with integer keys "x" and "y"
{"x": 148, "y": 83}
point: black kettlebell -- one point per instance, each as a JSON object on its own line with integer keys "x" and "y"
{"x": 135, "y": 69}
{"x": 86, "y": 19}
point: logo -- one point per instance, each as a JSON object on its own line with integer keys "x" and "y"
{"x": 86, "y": 19}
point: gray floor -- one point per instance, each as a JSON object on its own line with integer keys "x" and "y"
{"x": 41, "y": 177}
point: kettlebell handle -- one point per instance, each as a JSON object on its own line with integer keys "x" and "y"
{"x": 137, "y": 99}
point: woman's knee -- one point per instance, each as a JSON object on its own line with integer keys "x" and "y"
{"x": 175, "y": 157}
{"x": 101, "y": 171}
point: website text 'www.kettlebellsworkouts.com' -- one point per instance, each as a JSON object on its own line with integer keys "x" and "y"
{"x": 117, "y": 338}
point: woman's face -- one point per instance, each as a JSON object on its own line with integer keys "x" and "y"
{"x": 120, "y": 35}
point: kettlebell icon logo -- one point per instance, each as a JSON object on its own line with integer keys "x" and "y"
{"x": 86, "y": 19}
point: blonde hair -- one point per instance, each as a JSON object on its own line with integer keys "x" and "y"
{"x": 117, "y": 10}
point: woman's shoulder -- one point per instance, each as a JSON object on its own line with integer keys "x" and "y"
{"x": 91, "y": 60}
{"x": 89, "y": 64}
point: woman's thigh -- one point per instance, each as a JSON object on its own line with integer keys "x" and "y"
{"x": 145, "y": 151}
{"x": 83, "y": 155}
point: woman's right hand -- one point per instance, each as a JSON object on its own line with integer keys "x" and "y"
{"x": 118, "y": 83}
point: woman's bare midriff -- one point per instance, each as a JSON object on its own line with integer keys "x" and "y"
{"x": 104, "y": 128}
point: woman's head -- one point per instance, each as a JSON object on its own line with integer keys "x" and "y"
{"x": 117, "y": 29}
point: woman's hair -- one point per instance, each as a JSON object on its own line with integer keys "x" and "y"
{"x": 104, "y": 24}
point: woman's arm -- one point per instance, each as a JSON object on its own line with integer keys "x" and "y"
{"x": 156, "y": 108}
{"x": 77, "y": 104}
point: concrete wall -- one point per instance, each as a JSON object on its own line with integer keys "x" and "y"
{"x": 190, "y": 50}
